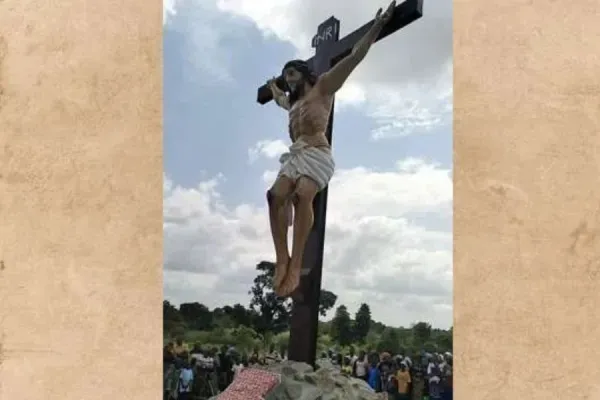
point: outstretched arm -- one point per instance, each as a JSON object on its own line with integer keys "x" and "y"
{"x": 332, "y": 81}
{"x": 279, "y": 95}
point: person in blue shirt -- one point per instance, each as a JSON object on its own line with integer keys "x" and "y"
{"x": 374, "y": 377}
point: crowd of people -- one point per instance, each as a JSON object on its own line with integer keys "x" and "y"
{"x": 198, "y": 374}
{"x": 398, "y": 377}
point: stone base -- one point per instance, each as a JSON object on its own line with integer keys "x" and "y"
{"x": 300, "y": 382}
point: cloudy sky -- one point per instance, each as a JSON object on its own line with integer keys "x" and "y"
{"x": 389, "y": 221}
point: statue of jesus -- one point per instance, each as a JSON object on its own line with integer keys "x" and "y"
{"x": 308, "y": 166}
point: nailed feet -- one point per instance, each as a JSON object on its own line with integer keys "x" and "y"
{"x": 291, "y": 281}
{"x": 281, "y": 270}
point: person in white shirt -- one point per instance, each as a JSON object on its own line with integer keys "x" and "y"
{"x": 237, "y": 368}
{"x": 186, "y": 378}
{"x": 204, "y": 362}
{"x": 360, "y": 366}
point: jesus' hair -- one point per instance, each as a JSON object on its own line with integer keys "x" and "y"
{"x": 310, "y": 77}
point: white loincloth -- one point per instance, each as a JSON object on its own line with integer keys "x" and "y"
{"x": 303, "y": 160}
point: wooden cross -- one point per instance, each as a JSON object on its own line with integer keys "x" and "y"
{"x": 329, "y": 50}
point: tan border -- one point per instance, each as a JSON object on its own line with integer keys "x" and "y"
{"x": 81, "y": 199}
{"x": 527, "y": 199}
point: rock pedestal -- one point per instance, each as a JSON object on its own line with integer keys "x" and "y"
{"x": 300, "y": 382}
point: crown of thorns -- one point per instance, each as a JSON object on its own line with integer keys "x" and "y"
{"x": 300, "y": 65}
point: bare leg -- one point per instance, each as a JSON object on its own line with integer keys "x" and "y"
{"x": 306, "y": 190}
{"x": 277, "y": 198}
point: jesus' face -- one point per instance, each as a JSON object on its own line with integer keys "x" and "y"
{"x": 293, "y": 78}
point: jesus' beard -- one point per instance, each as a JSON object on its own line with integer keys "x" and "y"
{"x": 297, "y": 91}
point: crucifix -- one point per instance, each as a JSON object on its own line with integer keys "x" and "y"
{"x": 329, "y": 51}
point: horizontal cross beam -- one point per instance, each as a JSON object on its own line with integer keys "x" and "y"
{"x": 404, "y": 13}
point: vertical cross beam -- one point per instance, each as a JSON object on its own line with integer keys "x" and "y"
{"x": 305, "y": 312}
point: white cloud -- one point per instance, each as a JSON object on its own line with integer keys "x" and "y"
{"x": 404, "y": 84}
{"x": 169, "y": 9}
{"x": 376, "y": 251}
{"x": 267, "y": 148}
{"x": 204, "y": 30}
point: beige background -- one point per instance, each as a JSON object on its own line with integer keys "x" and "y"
{"x": 527, "y": 199}
{"x": 81, "y": 200}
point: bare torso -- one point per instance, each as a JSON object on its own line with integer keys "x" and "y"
{"x": 309, "y": 117}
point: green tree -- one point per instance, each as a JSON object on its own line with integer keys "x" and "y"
{"x": 197, "y": 316}
{"x": 372, "y": 340}
{"x": 421, "y": 333}
{"x": 326, "y": 301}
{"x": 172, "y": 319}
{"x": 273, "y": 312}
{"x": 341, "y": 326}
{"x": 389, "y": 341}
{"x": 377, "y": 327}
{"x": 324, "y": 328}
{"x": 269, "y": 311}
{"x": 431, "y": 347}
{"x": 240, "y": 315}
{"x": 244, "y": 338}
{"x": 362, "y": 323}
{"x": 324, "y": 342}
{"x": 443, "y": 340}
{"x": 281, "y": 342}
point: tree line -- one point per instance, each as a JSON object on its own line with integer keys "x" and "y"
{"x": 266, "y": 312}
{"x": 268, "y": 315}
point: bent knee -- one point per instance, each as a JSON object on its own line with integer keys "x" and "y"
{"x": 301, "y": 196}
{"x": 277, "y": 196}
{"x": 305, "y": 192}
